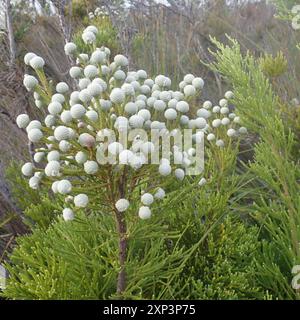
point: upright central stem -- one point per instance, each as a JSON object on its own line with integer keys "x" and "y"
{"x": 122, "y": 230}
{"x": 121, "y": 225}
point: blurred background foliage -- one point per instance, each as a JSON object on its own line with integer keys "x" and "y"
{"x": 236, "y": 238}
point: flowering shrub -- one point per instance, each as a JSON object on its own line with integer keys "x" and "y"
{"x": 95, "y": 143}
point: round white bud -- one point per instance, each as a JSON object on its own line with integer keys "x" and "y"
{"x": 170, "y": 114}
{"x": 182, "y": 106}
{"x": 61, "y": 133}
{"x": 121, "y": 60}
{"x": 54, "y": 108}
{"x": 64, "y": 186}
{"x": 70, "y": 48}
{"x": 52, "y": 169}
{"x": 144, "y": 212}
{"x": 68, "y": 214}
{"x": 62, "y": 87}
{"x": 77, "y": 111}
{"x": 117, "y": 96}
{"x": 122, "y": 205}
{"x": 27, "y": 169}
{"x": 86, "y": 140}
{"x": 28, "y": 56}
{"x": 91, "y": 167}
{"x": 202, "y": 182}
{"x": 81, "y": 200}
{"x": 22, "y": 120}
{"x": 81, "y": 157}
{"x": 37, "y": 62}
{"x": 35, "y": 135}
{"x": 179, "y": 174}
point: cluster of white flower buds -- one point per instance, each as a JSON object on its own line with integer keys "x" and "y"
{"x": 98, "y": 12}
{"x": 71, "y": 145}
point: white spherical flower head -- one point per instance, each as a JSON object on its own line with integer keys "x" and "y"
{"x": 223, "y": 103}
{"x": 34, "y": 124}
{"x": 52, "y": 169}
{"x": 64, "y": 186}
{"x": 210, "y": 137}
{"x": 121, "y": 60}
{"x": 200, "y": 123}
{"x": 50, "y": 120}
{"x": 27, "y": 169}
{"x": 131, "y": 108}
{"x": 91, "y": 29}
{"x": 75, "y": 72}
{"x": 98, "y": 57}
{"x": 198, "y": 83}
{"x": 179, "y": 174}
{"x": 62, "y": 87}
{"x": 90, "y": 71}
{"x": 145, "y": 114}
{"x": 22, "y": 121}
{"x": 88, "y": 37}
{"x": 30, "y": 82}
{"x": 188, "y": 78}
{"x": 147, "y": 199}
{"x": 136, "y": 121}
{"x": 68, "y": 214}
{"x": 189, "y": 90}
{"x": 53, "y": 155}
{"x": 216, "y": 123}
{"x": 207, "y": 104}
{"x": 117, "y": 96}
{"x": 81, "y": 200}
{"x": 231, "y": 133}
{"x": 115, "y": 148}
{"x": 159, "y": 105}
{"x": 81, "y": 157}
{"x": 119, "y": 75}
{"x": 38, "y": 157}
{"x": 91, "y": 167}
{"x": 170, "y": 114}
{"x": 35, "y": 135}
{"x": 61, "y": 133}
{"x": 242, "y": 130}
{"x": 144, "y": 212}
{"x": 236, "y": 120}
{"x": 182, "y": 106}
{"x": 125, "y": 157}
{"x": 70, "y": 48}
{"x": 216, "y": 109}
{"x": 64, "y": 146}
{"x": 92, "y": 115}
{"x": 54, "y": 186}
{"x": 164, "y": 169}
{"x": 54, "y": 108}
{"x": 77, "y": 111}
{"x": 86, "y": 140}
{"x": 28, "y": 56}
{"x": 203, "y": 113}
{"x": 224, "y": 110}
{"x": 160, "y": 194}
{"x": 122, "y": 205}
{"x": 202, "y": 182}
{"x": 225, "y": 121}
{"x": 229, "y": 95}
{"x": 220, "y": 143}
{"x": 37, "y": 63}
{"x": 34, "y": 182}
{"x": 66, "y": 116}
{"x": 94, "y": 89}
